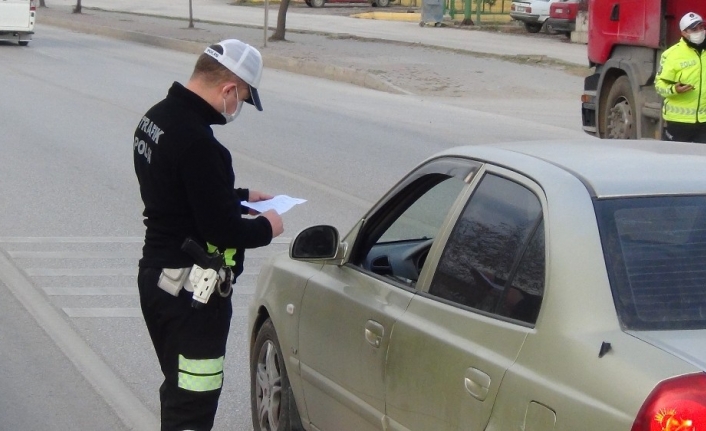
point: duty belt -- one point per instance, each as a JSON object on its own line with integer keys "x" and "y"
{"x": 172, "y": 280}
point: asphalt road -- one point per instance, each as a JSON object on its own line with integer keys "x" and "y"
{"x": 70, "y": 229}
{"x": 42, "y": 389}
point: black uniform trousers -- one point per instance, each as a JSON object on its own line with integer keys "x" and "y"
{"x": 190, "y": 343}
{"x": 685, "y": 132}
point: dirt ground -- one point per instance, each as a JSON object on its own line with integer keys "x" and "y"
{"x": 412, "y": 68}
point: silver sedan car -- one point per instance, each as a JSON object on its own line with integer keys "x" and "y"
{"x": 519, "y": 287}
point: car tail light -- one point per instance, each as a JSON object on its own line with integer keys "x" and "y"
{"x": 32, "y": 5}
{"x": 677, "y": 404}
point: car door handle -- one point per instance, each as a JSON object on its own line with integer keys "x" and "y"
{"x": 477, "y": 383}
{"x": 374, "y": 333}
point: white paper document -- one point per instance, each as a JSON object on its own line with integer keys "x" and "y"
{"x": 279, "y": 203}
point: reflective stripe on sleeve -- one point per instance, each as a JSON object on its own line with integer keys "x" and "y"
{"x": 200, "y": 375}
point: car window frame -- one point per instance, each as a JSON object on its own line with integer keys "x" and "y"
{"x": 432, "y": 262}
{"x": 387, "y": 208}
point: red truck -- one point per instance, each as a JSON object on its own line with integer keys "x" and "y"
{"x": 625, "y": 41}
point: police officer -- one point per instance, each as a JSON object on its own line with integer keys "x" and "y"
{"x": 679, "y": 80}
{"x": 187, "y": 186}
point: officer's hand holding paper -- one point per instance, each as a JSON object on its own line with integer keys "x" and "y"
{"x": 279, "y": 203}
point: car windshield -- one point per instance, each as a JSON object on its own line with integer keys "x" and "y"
{"x": 655, "y": 251}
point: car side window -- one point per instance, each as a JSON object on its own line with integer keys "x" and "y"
{"x": 397, "y": 245}
{"x": 493, "y": 260}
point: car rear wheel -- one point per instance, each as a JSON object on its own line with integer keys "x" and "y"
{"x": 272, "y": 403}
{"x": 619, "y": 114}
{"x": 381, "y": 3}
{"x": 317, "y": 3}
{"x": 533, "y": 27}
{"x": 24, "y": 43}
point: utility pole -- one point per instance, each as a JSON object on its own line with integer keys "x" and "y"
{"x": 191, "y": 15}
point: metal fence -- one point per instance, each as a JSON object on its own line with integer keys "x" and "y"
{"x": 497, "y": 9}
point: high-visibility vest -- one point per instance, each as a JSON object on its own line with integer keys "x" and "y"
{"x": 682, "y": 64}
{"x": 228, "y": 254}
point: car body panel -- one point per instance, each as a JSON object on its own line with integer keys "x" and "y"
{"x": 17, "y": 19}
{"x": 562, "y": 16}
{"x": 344, "y": 312}
{"x": 459, "y": 359}
{"x": 680, "y": 164}
{"x": 15, "y": 15}
{"x": 458, "y": 352}
{"x": 575, "y": 368}
{"x": 602, "y": 393}
{"x": 690, "y": 346}
{"x": 534, "y": 11}
{"x": 286, "y": 280}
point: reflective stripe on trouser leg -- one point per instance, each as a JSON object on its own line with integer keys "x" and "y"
{"x": 200, "y": 375}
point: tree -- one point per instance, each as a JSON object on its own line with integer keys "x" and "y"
{"x": 77, "y": 9}
{"x": 281, "y": 21}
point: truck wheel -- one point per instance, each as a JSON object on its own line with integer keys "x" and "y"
{"x": 619, "y": 116}
{"x": 533, "y": 27}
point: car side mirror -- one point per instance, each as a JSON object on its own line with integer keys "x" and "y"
{"x": 316, "y": 242}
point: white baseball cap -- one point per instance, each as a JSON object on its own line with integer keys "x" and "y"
{"x": 243, "y": 60}
{"x": 689, "y": 20}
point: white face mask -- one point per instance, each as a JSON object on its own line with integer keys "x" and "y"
{"x": 697, "y": 37}
{"x": 238, "y": 108}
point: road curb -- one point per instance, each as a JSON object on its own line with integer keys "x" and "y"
{"x": 303, "y": 67}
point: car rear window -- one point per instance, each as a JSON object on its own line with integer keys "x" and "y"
{"x": 655, "y": 252}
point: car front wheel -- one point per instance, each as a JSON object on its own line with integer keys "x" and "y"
{"x": 317, "y": 3}
{"x": 272, "y": 403}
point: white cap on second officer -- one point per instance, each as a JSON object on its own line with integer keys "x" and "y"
{"x": 689, "y": 20}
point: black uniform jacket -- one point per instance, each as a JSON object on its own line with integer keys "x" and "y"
{"x": 187, "y": 184}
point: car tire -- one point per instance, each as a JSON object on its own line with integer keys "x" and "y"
{"x": 308, "y": 2}
{"x": 317, "y": 3}
{"x": 24, "y": 43}
{"x": 533, "y": 27}
{"x": 381, "y": 3}
{"x": 618, "y": 116}
{"x": 272, "y": 402}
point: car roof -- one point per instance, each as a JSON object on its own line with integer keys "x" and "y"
{"x": 607, "y": 167}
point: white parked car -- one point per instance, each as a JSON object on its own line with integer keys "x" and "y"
{"x": 17, "y": 19}
{"x": 533, "y": 13}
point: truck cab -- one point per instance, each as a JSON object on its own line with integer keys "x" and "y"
{"x": 626, "y": 39}
{"x": 17, "y": 19}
